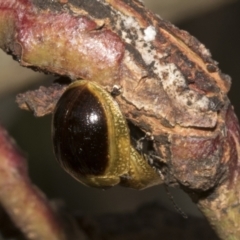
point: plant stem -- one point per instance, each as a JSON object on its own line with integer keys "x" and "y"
{"x": 26, "y": 205}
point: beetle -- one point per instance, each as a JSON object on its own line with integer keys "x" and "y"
{"x": 91, "y": 140}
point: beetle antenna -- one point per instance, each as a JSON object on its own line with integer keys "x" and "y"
{"x": 170, "y": 196}
{"x": 150, "y": 156}
{"x": 177, "y": 208}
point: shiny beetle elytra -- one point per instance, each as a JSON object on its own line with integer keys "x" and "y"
{"x": 92, "y": 143}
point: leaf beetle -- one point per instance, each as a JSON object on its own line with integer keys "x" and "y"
{"x": 91, "y": 140}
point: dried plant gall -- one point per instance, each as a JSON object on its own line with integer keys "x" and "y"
{"x": 92, "y": 143}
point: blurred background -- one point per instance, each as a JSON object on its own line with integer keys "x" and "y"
{"x": 215, "y": 23}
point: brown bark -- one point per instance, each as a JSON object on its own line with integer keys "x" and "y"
{"x": 171, "y": 87}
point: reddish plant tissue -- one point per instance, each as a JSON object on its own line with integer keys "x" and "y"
{"x": 231, "y": 146}
{"x": 39, "y": 34}
{"x": 38, "y": 221}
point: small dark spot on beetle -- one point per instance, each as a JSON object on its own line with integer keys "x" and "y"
{"x": 189, "y": 103}
{"x": 212, "y": 68}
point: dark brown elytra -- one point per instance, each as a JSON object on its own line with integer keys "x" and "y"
{"x": 80, "y": 133}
